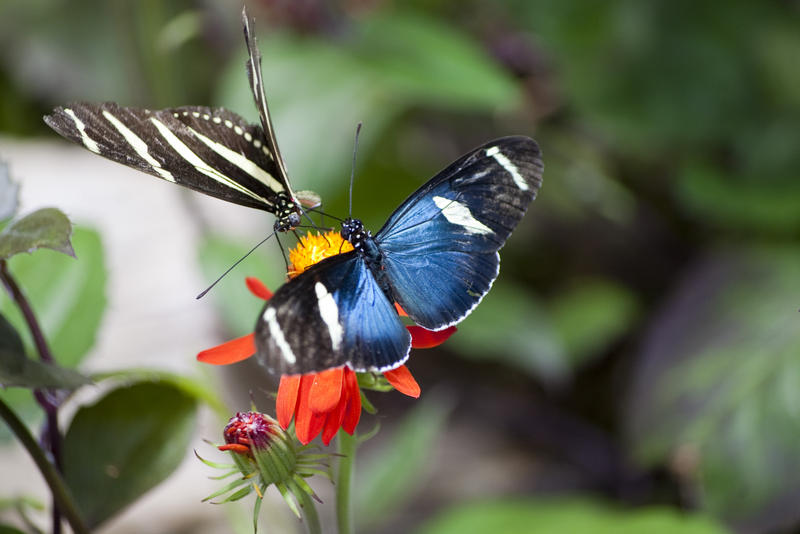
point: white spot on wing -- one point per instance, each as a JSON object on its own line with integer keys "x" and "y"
{"x": 459, "y": 214}
{"x": 277, "y": 335}
{"x": 507, "y": 165}
{"x": 329, "y": 312}
{"x": 88, "y": 142}
{"x": 138, "y": 145}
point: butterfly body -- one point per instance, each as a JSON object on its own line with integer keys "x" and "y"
{"x": 436, "y": 256}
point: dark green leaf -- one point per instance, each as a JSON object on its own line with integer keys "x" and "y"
{"x": 547, "y": 516}
{"x": 67, "y": 296}
{"x": 9, "y": 193}
{"x": 44, "y": 228}
{"x": 124, "y": 445}
{"x": 716, "y": 392}
{"x": 8, "y": 529}
{"x": 10, "y": 342}
{"x": 391, "y": 475}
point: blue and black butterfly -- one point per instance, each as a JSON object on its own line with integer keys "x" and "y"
{"x": 436, "y": 256}
{"x": 211, "y": 150}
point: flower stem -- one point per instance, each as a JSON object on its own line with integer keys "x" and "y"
{"x": 344, "y": 481}
{"x": 27, "y": 312}
{"x": 48, "y": 399}
{"x": 57, "y": 486}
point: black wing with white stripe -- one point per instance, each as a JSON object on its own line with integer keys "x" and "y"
{"x": 333, "y": 314}
{"x": 213, "y": 151}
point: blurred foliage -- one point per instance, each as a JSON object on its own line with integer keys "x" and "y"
{"x": 720, "y": 370}
{"x": 573, "y": 516}
{"x": 648, "y": 298}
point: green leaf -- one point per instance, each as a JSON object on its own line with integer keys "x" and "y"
{"x": 8, "y": 529}
{"x": 426, "y": 61}
{"x": 67, "y": 296}
{"x": 590, "y": 316}
{"x": 716, "y": 392}
{"x": 546, "y": 516}
{"x": 198, "y": 390}
{"x": 10, "y": 342}
{"x": 9, "y": 193}
{"x": 512, "y": 326}
{"x": 125, "y": 444}
{"x": 44, "y": 228}
{"x": 391, "y": 475}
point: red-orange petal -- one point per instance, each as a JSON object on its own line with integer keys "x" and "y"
{"x": 401, "y": 379}
{"x": 258, "y": 288}
{"x": 232, "y": 351}
{"x": 307, "y": 424}
{"x": 352, "y": 395}
{"x": 326, "y": 390}
{"x": 422, "y": 338}
{"x": 334, "y": 421}
{"x": 235, "y": 447}
{"x": 400, "y": 311}
{"x": 286, "y": 403}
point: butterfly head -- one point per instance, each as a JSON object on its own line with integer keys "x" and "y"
{"x": 353, "y": 231}
{"x": 287, "y": 214}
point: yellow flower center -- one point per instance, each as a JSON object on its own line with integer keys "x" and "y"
{"x": 314, "y": 248}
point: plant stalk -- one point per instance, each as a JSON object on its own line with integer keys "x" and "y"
{"x": 58, "y": 488}
{"x": 344, "y": 481}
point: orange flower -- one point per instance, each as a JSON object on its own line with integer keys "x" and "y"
{"x": 326, "y": 401}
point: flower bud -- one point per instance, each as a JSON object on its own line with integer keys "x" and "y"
{"x": 265, "y": 455}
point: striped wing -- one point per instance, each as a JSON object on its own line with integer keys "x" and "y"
{"x": 210, "y": 150}
{"x": 257, "y": 85}
{"x": 439, "y": 248}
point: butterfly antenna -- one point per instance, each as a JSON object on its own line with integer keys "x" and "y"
{"x": 334, "y": 217}
{"x": 240, "y": 260}
{"x": 280, "y": 247}
{"x": 353, "y": 171}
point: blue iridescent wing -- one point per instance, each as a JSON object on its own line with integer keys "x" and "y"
{"x": 440, "y": 246}
{"x": 333, "y": 314}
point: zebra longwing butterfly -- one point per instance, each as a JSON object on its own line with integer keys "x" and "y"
{"x": 211, "y": 150}
{"x": 436, "y": 256}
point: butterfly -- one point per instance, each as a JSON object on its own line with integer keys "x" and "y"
{"x": 211, "y": 150}
{"x": 436, "y": 256}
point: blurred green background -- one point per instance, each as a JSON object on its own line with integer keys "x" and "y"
{"x": 636, "y": 367}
